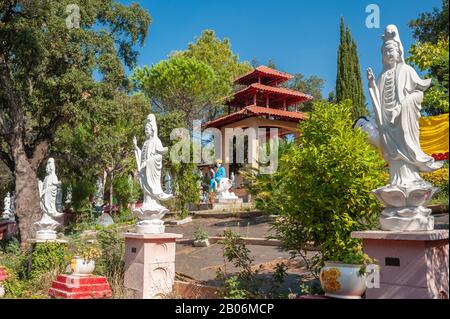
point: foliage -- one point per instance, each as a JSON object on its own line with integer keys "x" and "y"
{"x": 218, "y": 55}
{"x": 48, "y": 257}
{"x": 179, "y": 83}
{"x": 312, "y": 85}
{"x": 53, "y": 78}
{"x": 431, "y": 26}
{"x": 200, "y": 234}
{"x": 14, "y": 287}
{"x": 349, "y": 81}
{"x": 266, "y": 189}
{"x": 194, "y": 81}
{"x": 111, "y": 263}
{"x": 88, "y": 251}
{"x": 127, "y": 190}
{"x": 353, "y": 255}
{"x": 433, "y": 58}
{"x": 322, "y": 187}
{"x": 438, "y": 178}
{"x": 246, "y": 284}
{"x": 185, "y": 187}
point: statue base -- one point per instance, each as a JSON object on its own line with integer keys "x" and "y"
{"x": 152, "y": 226}
{"x": 149, "y": 265}
{"x": 46, "y": 235}
{"x": 415, "y": 223}
{"x": 412, "y": 265}
{"x": 80, "y": 287}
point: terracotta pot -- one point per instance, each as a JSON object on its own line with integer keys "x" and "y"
{"x": 81, "y": 266}
{"x": 342, "y": 281}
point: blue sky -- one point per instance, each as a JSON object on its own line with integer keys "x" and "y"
{"x": 298, "y": 35}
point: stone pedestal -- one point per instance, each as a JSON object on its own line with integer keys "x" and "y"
{"x": 149, "y": 264}
{"x": 413, "y": 264}
{"x": 228, "y": 204}
{"x": 80, "y": 287}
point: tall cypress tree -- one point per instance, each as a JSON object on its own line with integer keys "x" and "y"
{"x": 348, "y": 81}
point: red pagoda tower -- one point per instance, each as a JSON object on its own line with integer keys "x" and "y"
{"x": 261, "y": 104}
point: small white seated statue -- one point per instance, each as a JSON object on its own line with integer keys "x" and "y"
{"x": 149, "y": 163}
{"x": 48, "y": 193}
{"x": 223, "y": 184}
{"x": 397, "y": 96}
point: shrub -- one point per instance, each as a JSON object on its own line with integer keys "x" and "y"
{"x": 246, "y": 283}
{"x": 438, "y": 178}
{"x": 111, "y": 263}
{"x": 48, "y": 257}
{"x": 322, "y": 187}
{"x": 200, "y": 234}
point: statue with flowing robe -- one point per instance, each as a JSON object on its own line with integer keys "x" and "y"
{"x": 149, "y": 161}
{"x": 396, "y": 97}
{"x": 49, "y": 192}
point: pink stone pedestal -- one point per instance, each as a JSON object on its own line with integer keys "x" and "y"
{"x": 149, "y": 264}
{"x": 413, "y": 265}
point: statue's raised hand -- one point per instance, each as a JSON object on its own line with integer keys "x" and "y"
{"x": 370, "y": 76}
{"x": 135, "y": 142}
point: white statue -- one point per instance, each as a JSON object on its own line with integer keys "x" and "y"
{"x": 149, "y": 163}
{"x": 68, "y": 195}
{"x": 397, "y": 98}
{"x": 223, "y": 184}
{"x": 99, "y": 195}
{"x": 48, "y": 193}
{"x": 167, "y": 183}
{"x": 7, "y": 207}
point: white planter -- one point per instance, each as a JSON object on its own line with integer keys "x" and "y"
{"x": 342, "y": 281}
{"x": 2, "y": 291}
{"x": 82, "y": 266}
{"x": 201, "y": 243}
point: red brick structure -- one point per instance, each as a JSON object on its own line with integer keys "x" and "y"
{"x": 80, "y": 287}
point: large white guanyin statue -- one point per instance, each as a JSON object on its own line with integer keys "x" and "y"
{"x": 149, "y": 163}
{"x": 49, "y": 195}
{"x": 396, "y": 97}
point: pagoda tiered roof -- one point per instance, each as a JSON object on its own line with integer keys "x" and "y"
{"x": 253, "y": 110}
{"x": 278, "y": 97}
{"x": 262, "y": 97}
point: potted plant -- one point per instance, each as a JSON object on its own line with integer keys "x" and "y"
{"x": 201, "y": 238}
{"x": 344, "y": 275}
{"x": 83, "y": 263}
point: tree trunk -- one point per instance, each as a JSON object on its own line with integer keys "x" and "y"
{"x": 27, "y": 197}
{"x": 27, "y": 193}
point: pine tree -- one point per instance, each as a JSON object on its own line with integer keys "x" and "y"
{"x": 349, "y": 81}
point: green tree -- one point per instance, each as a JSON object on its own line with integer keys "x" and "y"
{"x": 312, "y": 85}
{"x": 102, "y": 143}
{"x": 196, "y": 80}
{"x": 432, "y": 26}
{"x": 179, "y": 83}
{"x": 334, "y": 169}
{"x": 431, "y": 54}
{"x": 349, "y": 81}
{"x": 47, "y": 79}
{"x": 433, "y": 58}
